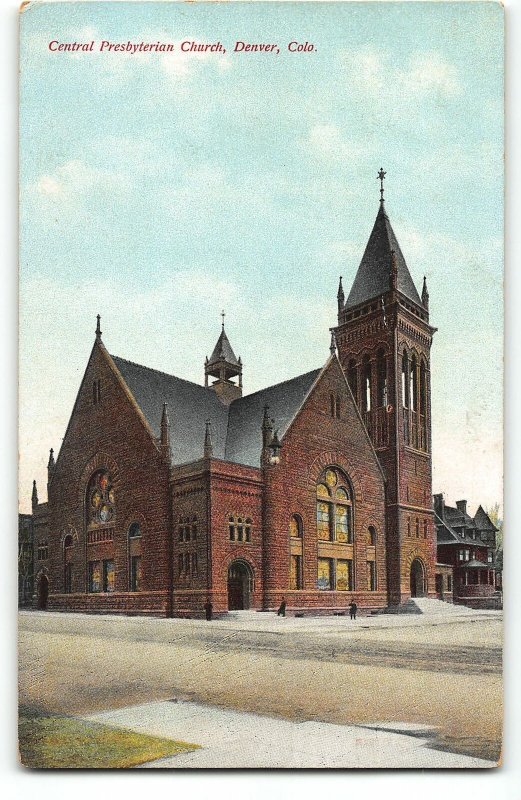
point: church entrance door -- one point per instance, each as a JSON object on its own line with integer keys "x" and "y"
{"x": 417, "y": 579}
{"x": 43, "y": 592}
{"x": 239, "y": 582}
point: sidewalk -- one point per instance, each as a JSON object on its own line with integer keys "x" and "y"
{"x": 236, "y": 739}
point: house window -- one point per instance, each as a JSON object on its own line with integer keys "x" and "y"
{"x": 371, "y": 576}
{"x": 489, "y": 557}
{"x": 449, "y": 583}
{"x": 295, "y": 572}
{"x": 334, "y": 507}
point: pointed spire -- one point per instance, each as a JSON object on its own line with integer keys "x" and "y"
{"x": 164, "y": 435}
{"x": 208, "y": 446}
{"x": 224, "y": 365}
{"x": 50, "y": 465}
{"x": 332, "y": 346}
{"x": 98, "y": 328}
{"x": 425, "y": 294}
{"x": 340, "y": 296}
{"x": 34, "y": 496}
{"x": 393, "y": 272}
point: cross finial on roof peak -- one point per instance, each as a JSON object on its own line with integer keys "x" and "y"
{"x": 223, "y": 316}
{"x": 381, "y": 175}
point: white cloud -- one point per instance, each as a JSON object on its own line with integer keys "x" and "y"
{"x": 426, "y": 73}
{"x": 73, "y": 179}
{"x": 327, "y": 141}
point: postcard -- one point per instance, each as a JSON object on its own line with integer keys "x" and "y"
{"x": 261, "y": 504}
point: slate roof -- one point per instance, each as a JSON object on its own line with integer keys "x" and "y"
{"x": 475, "y": 564}
{"x": 236, "y": 430}
{"x": 372, "y": 277}
{"x": 223, "y": 350}
{"x": 458, "y": 519}
{"x": 483, "y": 521}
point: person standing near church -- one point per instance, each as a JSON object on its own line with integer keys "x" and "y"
{"x": 282, "y": 608}
{"x": 208, "y": 608}
{"x": 352, "y": 609}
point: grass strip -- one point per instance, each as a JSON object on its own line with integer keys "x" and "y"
{"x": 58, "y": 742}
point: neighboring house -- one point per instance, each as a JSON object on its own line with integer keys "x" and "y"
{"x": 468, "y": 545}
{"x": 168, "y": 494}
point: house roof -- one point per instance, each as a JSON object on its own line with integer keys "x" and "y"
{"x": 236, "y": 430}
{"x": 475, "y": 564}
{"x": 483, "y": 521}
{"x": 372, "y": 277}
{"x": 458, "y": 519}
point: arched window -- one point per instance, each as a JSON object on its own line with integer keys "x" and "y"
{"x": 67, "y": 564}
{"x": 100, "y": 501}
{"x": 334, "y": 507}
{"x": 381, "y": 367}
{"x": 366, "y": 384}
{"x": 417, "y": 528}
{"x": 352, "y": 378}
{"x": 408, "y": 526}
{"x": 371, "y": 536}
{"x": 405, "y": 381}
{"x": 295, "y": 527}
{"x": 423, "y": 389}
{"x": 134, "y": 552}
{"x": 413, "y": 382}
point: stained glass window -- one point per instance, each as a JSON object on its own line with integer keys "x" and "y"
{"x": 322, "y": 491}
{"x": 108, "y": 576}
{"x": 343, "y": 575}
{"x": 295, "y": 529}
{"x": 295, "y": 572}
{"x": 94, "y": 576}
{"x": 135, "y": 573}
{"x": 331, "y": 478}
{"x": 342, "y": 524}
{"x": 324, "y": 573}
{"x": 323, "y": 517}
{"x": 371, "y": 576}
{"x": 100, "y": 499}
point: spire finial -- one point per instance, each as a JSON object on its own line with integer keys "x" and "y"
{"x": 425, "y": 293}
{"x": 381, "y": 175}
{"x": 98, "y": 328}
{"x": 332, "y": 346}
{"x": 340, "y": 296}
{"x": 34, "y": 496}
{"x": 223, "y": 316}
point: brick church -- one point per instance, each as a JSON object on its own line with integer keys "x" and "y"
{"x": 168, "y": 494}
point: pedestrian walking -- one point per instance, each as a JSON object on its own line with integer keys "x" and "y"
{"x": 208, "y": 608}
{"x": 282, "y": 609}
{"x": 352, "y": 609}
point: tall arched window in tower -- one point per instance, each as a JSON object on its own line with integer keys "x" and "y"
{"x": 423, "y": 406}
{"x": 381, "y": 367}
{"x": 295, "y": 557}
{"x": 413, "y": 381}
{"x": 366, "y": 384}
{"x": 352, "y": 378}
{"x": 67, "y": 564}
{"x": 405, "y": 381}
{"x": 335, "y": 524}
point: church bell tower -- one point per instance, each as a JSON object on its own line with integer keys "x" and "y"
{"x": 224, "y": 366}
{"x": 384, "y": 339}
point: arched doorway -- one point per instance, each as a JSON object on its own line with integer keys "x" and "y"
{"x": 417, "y": 579}
{"x": 43, "y": 592}
{"x": 239, "y": 586}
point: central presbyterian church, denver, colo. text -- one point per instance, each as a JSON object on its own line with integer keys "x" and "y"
{"x": 167, "y": 494}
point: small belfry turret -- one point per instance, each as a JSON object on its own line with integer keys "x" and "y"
{"x": 98, "y": 328}
{"x": 224, "y": 365}
{"x": 340, "y": 296}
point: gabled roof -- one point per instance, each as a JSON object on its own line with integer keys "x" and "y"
{"x": 458, "y": 519}
{"x": 372, "y": 277}
{"x": 483, "y": 521}
{"x": 189, "y": 406}
{"x": 445, "y": 534}
{"x": 223, "y": 351}
{"x": 244, "y": 439}
{"x": 236, "y": 430}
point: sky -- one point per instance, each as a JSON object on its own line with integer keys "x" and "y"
{"x": 159, "y": 188}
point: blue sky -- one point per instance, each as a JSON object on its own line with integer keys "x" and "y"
{"x": 158, "y": 189}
